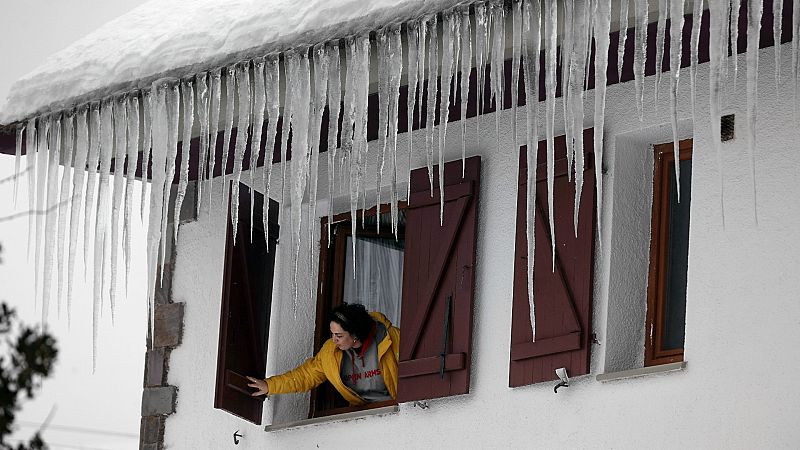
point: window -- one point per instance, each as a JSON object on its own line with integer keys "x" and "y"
{"x": 669, "y": 252}
{"x": 563, "y": 297}
{"x": 435, "y": 291}
{"x": 246, "y": 304}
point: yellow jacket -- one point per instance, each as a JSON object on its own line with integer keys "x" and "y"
{"x": 326, "y": 364}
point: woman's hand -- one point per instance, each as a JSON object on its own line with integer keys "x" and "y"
{"x": 260, "y": 385}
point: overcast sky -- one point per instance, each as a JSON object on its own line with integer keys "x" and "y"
{"x": 91, "y": 411}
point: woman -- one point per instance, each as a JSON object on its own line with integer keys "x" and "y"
{"x": 359, "y": 360}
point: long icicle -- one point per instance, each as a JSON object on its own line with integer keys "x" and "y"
{"x": 92, "y": 161}
{"x": 320, "y": 99}
{"x": 120, "y": 150}
{"x": 300, "y": 78}
{"x": 448, "y": 34}
{"x": 482, "y": 34}
{"x": 147, "y": 140}
{"x": 754, "y": 11}
{"x": 414, "y": 60}
{"x": 272, "y": 85}
{"x": 777, "y": 36}
{"x": 216, "y": 106}
{"x": 101, "y": 223}
{"x": 382, "y": 39}
{"x": 288, "y": 112}
{"x": 81, "y": 152}
{"x": 717, "y": 52}
{"x": 187, "y": 97}
{"x": 466, "y": 68}
{"x": 259, "y": 103}
{"x": 173, "y": 102}
{"x": 430, "y": 114}
{"x": 577, "y": 79}
{"x": 31, "y": 136}
{"x": 663, "y": 11}
{"x": 203, "y": 112}
{"x": 334, "y": 106}
{"x": 64, "y": 201}
{"x": 395, "y": 73}
{"x": 602, "y": 29}
{"x": 675, "y": 49}
{"x": 516, "y": 52}
{"x": 640, "y": 54}
{"x": 132, "y": 108}
{"x": 54, "y": 156}
{"x": 551, "y": 29}
{"x": 697, "y": 16}
{"x": 41, "y": 192}
{"x": 498, "y": 15}
{"x": 623, "y": 36}
{"x": 734, "y": 39}
{"x": 531, "y": 46}
{"x": 243, "y": 83}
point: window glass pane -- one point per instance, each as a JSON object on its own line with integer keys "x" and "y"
{"x": 677, "y": 258}
{"x": 378, "y": 281}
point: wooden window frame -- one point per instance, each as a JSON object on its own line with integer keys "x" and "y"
{"x": 655, "y": 354}
{"x": 325, "y": 401}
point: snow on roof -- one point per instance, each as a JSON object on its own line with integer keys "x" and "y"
{"x": 181, "y": 37}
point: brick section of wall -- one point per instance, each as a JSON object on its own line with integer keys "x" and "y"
{"x": 168, "y": 325}
{"x": 159, "y": 400}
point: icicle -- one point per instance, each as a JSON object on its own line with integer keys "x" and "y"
{"x": 516, "y": 52}
{"x": 187, "y": 97}
{"x": 54, "y": 150}
{"x": 93, "y": 160}
{"x": 430, "y": 113}
{"x": 272, "y": 84}
{"x": 288, "y": 112}
{"x": 734, "y": 42}
{"x": 531, "y": 46}
{"x": 120, "y": 149}
{"x": 754, "y": 11}
{"x": 481, "y": 50}
{"x": 395, "y": 73}
{"x": 230, "y": 105}
{"x": 660, "y": 32}
{"x": 320, "y": 55}
{"x": 334, "y": 105}
{"x": 103, "y": 201}
{"x": 216, "y": 106}
{"x": 551, "y": 30}
{"x": 576, "y": 83}
{"x": 498, "y": 62}
{"x": 717, "y": 51}
{"x": 17, "y": 158}
{"x": 299, "y": 78}
{"x": 203, "y": 105}
{"x": 414, "y": 61}
{"x": 173, "y": 101}
{"x": 777, "y": 36}
{"x": 31, "y": 145}
{"x": 64, "y": 200}
{"x": 383, "y": 116}
{"x": 81, "y": 151}
{"x": 675, "y": 32}
{"x": 259, "y": 103}
{"x": 623, "y": 35}
{"x": 132, "y": 110}
{"x": 41, "y": 192}
{"x": 448, "y": 34}
{"x": 160, "y": 141}
{"x": 466, "y": 68}
{"x": 147, "y": 140}
{"x": 640, "y": 53}
{"x": 602, "y": 29}
{"x": 243, "y": 83}
{"x": 697, "y": 15}
{"x": 566, "y": 72}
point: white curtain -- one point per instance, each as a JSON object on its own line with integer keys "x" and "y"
{"x": 378, "y": 281}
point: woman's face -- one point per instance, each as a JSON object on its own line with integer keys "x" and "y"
{"x": 341, "y": 338}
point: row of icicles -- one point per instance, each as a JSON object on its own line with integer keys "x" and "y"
{"x": 152, "y": 128}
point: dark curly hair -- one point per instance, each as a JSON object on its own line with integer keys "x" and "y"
{"x": 354, "y": 319}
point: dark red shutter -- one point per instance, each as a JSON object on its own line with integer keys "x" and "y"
{"x": 439, "y": 271}
{"x": 562, "y": 298}
{"x": 245, "y": 313}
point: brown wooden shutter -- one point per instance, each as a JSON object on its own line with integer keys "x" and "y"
{"x": 439, "y": 271}
{"x": 245, "y": 313}
{"x": 562, "y": 298}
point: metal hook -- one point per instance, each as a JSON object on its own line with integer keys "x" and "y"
{"x": 560, "y": 384}
{"x": 236, "y": 437}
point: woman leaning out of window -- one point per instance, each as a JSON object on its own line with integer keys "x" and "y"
{"x": 359, "y": 360}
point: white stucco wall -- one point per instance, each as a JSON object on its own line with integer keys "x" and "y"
{"x": 742, "y": 318}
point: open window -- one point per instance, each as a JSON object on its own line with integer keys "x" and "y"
{"x": 669, "y": 256}
{"x": 246, "y": 305}
{"x": 562, "y": 296}
{"x": 423, "y": 281}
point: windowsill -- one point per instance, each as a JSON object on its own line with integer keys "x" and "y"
{"x": 641, "y": 372}
{"x": 391, "y": 409}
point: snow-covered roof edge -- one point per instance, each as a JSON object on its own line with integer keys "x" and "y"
{"x": 112, "y": 61}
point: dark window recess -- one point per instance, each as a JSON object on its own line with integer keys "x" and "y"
{"x": 439, "y": 284}
{"x": 727, "y": 127}
{"x": 562, "y": 297}
{"x": 377, "y": 283}
{"x": 246, "y": 304}
{"x": 669, "y": 256}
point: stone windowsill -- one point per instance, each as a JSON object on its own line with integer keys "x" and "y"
{"x": 640, "y": 372}
{"x": 392, "y": 409}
